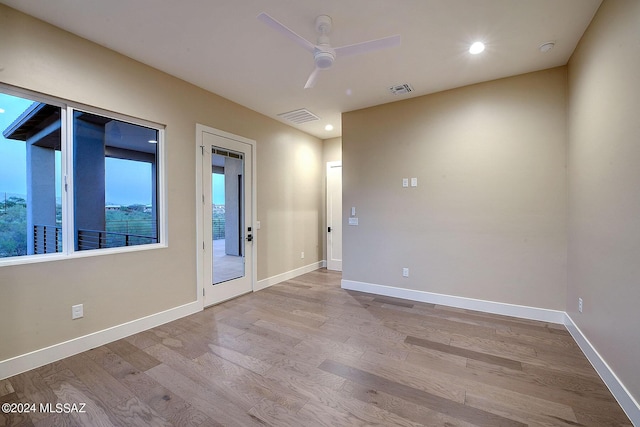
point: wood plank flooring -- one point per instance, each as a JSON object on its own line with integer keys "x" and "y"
{"x": 307, "y": 353}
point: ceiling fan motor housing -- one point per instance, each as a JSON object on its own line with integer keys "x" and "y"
{"x": 323, "y": 54}
{"x": 324, "y": 57}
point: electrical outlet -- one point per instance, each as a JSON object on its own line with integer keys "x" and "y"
{"x": 580, "y": 305}
{"x": 405, "y": 272}
{"x": 301, "y": 255}
{"x": 77, "y": 311}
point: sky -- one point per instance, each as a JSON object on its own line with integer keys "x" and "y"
{"x": 12, "y": 153}
{"x": 126, "y": 182}
{"x": 217, "y": 188}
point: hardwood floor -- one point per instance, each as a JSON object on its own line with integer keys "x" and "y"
{"x": 307, "y": 353}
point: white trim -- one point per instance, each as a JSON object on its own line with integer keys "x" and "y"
{"x": 37, "y": 358}
{"x": 61, "y": 256}
{"x": 331, "y": 265}
{"x": 278, "y": 278}
{"x": 629, "y": 405}
{"x": 505, "y": 309}
{"x": 200, "y": 231}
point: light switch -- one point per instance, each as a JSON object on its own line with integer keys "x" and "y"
{"x": 257, "y": 225}
{"x": 353, "y": 211}
{"x": 414, "y": 182}
{"x": 405, "y": 182}
{"x": 353, "y": 221}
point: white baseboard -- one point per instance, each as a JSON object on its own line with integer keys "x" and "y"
{"x": 273, "y": 280}
{"x": 629, "y": 405}
{"x": 37, "y": 358}
{"x": 524, "y": 312}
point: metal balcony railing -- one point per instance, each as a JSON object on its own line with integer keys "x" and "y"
{"x": 47, "y": 239}
{"x": 218, "y": 228}
{"x": 99, "y": 239}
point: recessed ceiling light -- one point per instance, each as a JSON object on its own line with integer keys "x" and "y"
{"x": 1, "y": 110}
{"x": 328, "y": 127}
{"x": 476, "y": 48}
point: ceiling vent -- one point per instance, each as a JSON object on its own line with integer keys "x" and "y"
{"x": 401, "y": 89}
{"x": 299, "y": 116}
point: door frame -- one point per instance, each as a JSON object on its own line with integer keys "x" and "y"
{"x": 328, "y": 235}
{"x": 200, "y": 216}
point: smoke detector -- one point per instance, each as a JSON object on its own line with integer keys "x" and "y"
{"x": 546, "y": 47}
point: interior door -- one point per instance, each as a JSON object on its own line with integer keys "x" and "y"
{"x": 334, "y": 216}
{"x": 227, "y": 231}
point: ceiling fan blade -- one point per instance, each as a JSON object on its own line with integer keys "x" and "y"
{"x": 371, "y": 45}
{"x": 311, "y": 81}
{"x": 306, "y": 44}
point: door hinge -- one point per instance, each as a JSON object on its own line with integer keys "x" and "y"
{"x": 202, "y": 291}
{"x": 203, "y": 199}
{"x": 203, "y": 245}
{"x": 202, "y": 149}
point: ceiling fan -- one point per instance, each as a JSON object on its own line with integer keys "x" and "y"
{"x": 323, "y": 54}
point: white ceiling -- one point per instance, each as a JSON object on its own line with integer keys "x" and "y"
{"x": 219, "y": 45}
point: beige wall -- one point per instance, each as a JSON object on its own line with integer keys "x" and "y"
{"x": 604, "y": 177}
{"x": 332, "y": 150}
{"x": 488, "y": 218}
{"x": 36, "y": 299}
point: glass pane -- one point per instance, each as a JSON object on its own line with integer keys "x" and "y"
{"x": 115, "y": 183}
{"x": 227, "y": 212}
{"x": 30, "y": 183}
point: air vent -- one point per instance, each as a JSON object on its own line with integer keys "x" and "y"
{"x": 299, "y": 116}
{"x": 401, "y": 89}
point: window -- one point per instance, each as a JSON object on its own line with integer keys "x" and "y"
{"x": 30, "y": 177}
{"x": 114, "y": 190}
{"x": 90, "y": 185}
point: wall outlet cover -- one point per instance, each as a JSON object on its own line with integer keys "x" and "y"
{"x": 77, "y": 311}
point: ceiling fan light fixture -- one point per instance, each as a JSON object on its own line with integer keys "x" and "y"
{"x": 476, "y": 48}
{"x": 324, "y": 59}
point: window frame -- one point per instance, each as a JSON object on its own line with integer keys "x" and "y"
{"x": 67, "y": 109}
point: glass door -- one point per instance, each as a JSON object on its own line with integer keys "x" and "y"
{"x": 227, "y": 204}
{"x": 227, "y": 207}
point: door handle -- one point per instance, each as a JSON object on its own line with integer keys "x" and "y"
{"x": 249, "y": 238}
{"x": 329, "y": 229}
